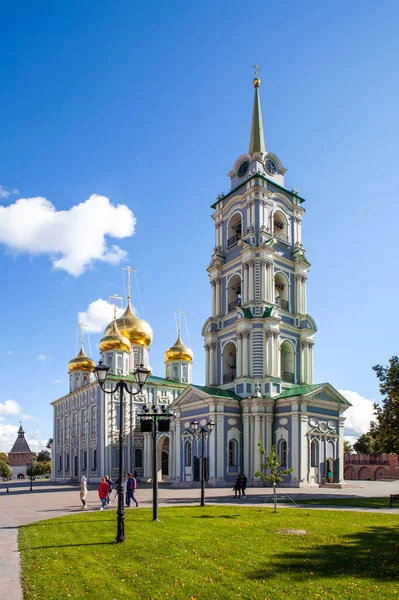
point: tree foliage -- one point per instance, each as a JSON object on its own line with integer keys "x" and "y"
{"x": 366, "y": 444}
{"x": 5, "y": 470}
{"x": 271, "y": 464}
{"x": 347, "y": 447}
{"x": 385, "y": 430}
{"x": 3, "y": 457}
{"x": 49, "y": 443}
{"x": 43, "y": 456}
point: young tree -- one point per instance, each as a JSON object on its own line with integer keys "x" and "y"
{"x": 34, "y": 469}
{"x": 271, "y": 463}
{"x": 386, "y": 429}
{"x": 347, "y": 447}
{"x": 5, "y": 470}
{"x": 3, "y": 457}
{"x": 49, "y": 443}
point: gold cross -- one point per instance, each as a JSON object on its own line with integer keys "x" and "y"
{"x": 257, "y": 69}
{"x": 115, "y": 297}
{"x": 179, "y": 314}
{"x": 129, "y": 270}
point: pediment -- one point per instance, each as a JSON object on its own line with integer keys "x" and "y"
{"x": 327, "y": 393}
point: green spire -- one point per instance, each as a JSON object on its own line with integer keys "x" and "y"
{"x": 257, "y": 141}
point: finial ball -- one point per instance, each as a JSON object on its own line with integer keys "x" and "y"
{"x": 256, "y": 82}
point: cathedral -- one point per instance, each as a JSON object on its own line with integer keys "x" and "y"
{"x": 259, "y": 343}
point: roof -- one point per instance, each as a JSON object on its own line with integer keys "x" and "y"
{"x": 217, "y": 392}
{"x": 20, "y": 444}
{"x": 301, "y": 390}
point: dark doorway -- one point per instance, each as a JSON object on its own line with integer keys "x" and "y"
{"x": 165, "y": 464}
{"x": 75, "y": 466}
{"x": 196, "y": 475}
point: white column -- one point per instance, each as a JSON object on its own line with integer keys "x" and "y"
{"x": 256, "y": 440}
{"x": 245, "y": 354}
{"x": 310, "y": 350}
{"x": 298, "y": 294}
{"x": 245, "y": 441}
{"x": 249, "y": 223}
{"x": 239, "y": 356}
{"x": 269, "y": 354}
{"x": 177, "y": 449}
{"x": 277, "y": 369}
{"x": 244, "y": 283}
{"x": 212, "y": 364}
{"x": 270, "y": 286}
{"x": 218, "y": 297}
{"x": 304, "y": 306}
{"x": 263, "y": 281}
{"x": 206, "y": 364}
{"x": 251, "y": 282}
{"x": 220, "y": 446}
{"x": 212, "y": 447}
{"x": 213, "y": 313}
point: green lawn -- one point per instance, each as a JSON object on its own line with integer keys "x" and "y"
{"x": 358, "y": 502}
{"x": 213, "y": 552}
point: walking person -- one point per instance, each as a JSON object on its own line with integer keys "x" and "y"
{"x": 131, "y": 486}
{"x": 110, "y": 484}
{"x": 116, "y": 490}
{"x": 103, "y": 492}
{"x": 243, "y": 485}
{"x": 83, "y": 491}
{"x": 237, "y": 487}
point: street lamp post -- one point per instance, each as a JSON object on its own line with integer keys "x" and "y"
{"x": 202, "y": 433}
{"x": 141, "y": 374}
{"x": 149, "y": 420}
{"x": 30, "y": 465}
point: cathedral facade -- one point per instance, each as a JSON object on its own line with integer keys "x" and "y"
{"x": 259, "y": 343}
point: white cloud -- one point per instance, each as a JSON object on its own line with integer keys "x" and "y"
{"x": 2, "y": 418}
{"x": 8, "y": 435}
{"x": 10, "y": 407}
{"x": 358, "y": 416}
{"x": 73, "y": 239}
{"x": 98, "y": 315}
{"x": 58, "y": 380}
{"x": 26, "y": 417}
{"x": 10, "y": 351}
{"x": 41, "y": 357}
{"x": 5, "y": 193}
{"x": 36, "y": 441}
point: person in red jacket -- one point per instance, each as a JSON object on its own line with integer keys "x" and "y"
{"x": 103, "y": 492}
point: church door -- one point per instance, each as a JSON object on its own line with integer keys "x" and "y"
{"x": 196, "y": 469}
{"x": 75, "y": 466}
{"x": 336, "y": 471}
{"x": 165, "y": 463}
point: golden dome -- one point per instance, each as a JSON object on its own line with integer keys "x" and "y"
{"x": 114, "y": 339}
{"x": 136, "y": 330}
{"x": 178, "y": 351}
{"x": 81, "y": 363}
{"x": 256, "y": 82}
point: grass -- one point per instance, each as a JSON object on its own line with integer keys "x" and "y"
{"x": 357, "y": 502}
{"x": 213, "y": 552}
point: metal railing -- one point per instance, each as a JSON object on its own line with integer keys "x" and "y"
{"x": 288, "y": 376}
{"x": 233, "y": 240}
{"x": 228, "y": 377}
{"x": 283, "y": 303}
{"x": 231, "y": 305}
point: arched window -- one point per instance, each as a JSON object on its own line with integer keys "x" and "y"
{"x": 60, "y": 462}
{"x": 280, "y": 229}
{"x": 127, "y": 365}
{"x": 233, "y": 446}
{"x": 233, "y": 292}
{"x": 109, "y": 360}
{"x": 138, "y": 458}
{"x": 94, "y": 461}
{"x": 120, "y": 363}
{"x": 175, "y": 372}
{"x": 77, "y": 377}
{"x": 84, "y": 460}
{"x": 187, "y": 454}
{"x": 229, "y": 362}
{"x": 281, "y": 291}
{"x": 185, "y": 372}
{"x": 85, "y": 380}
{"x": 287, "y": 358}
{"x": 234, "y": 230}
{"x": 283, "y": 453}
{"x": 314, "y": 451}
{"x": 136, "y": 359}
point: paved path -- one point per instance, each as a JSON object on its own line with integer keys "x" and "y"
{"x": 20, "y": 507}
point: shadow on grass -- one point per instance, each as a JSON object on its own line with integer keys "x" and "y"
{"x": 213, "y": 517}
{"x": 373, "y": 553}
{"x": 68, "y": 546}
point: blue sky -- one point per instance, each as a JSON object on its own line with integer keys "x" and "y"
{"x": 150, "y": 106}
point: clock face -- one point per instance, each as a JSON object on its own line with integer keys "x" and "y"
{"x": 271, "y": 166}
{"x": 244, "y": 166}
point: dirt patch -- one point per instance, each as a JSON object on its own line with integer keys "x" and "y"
{"x": 293, "y": 531}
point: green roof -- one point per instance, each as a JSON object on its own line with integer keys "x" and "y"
{"x": 300, "y": 390}
{"x": 217, "y": 392}
{"x": 280, "y": 187}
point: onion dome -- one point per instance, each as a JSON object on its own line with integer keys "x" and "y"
{"x": 114, "y": 339}
{"x": 135, "y": 329}
{"x": 82, "y": 362}
{"x": 178, "y": 351}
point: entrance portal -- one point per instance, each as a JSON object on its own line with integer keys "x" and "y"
{"x": 165, "y": 458}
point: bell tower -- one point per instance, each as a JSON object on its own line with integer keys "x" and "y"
{"x": 259, "y": 331}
